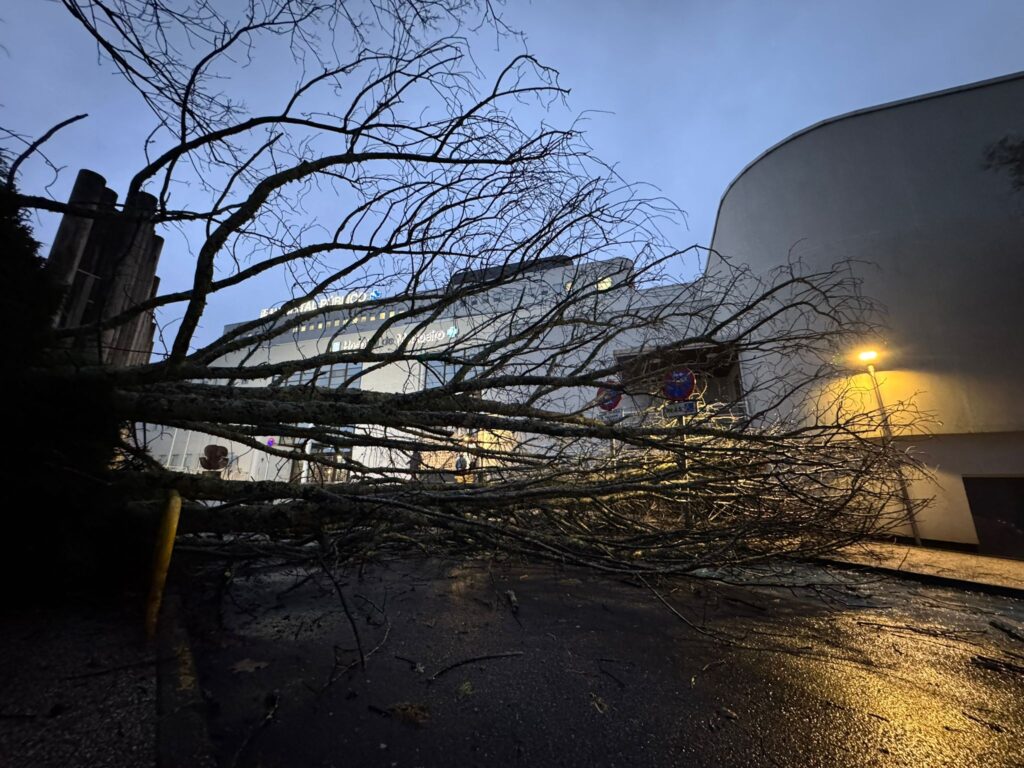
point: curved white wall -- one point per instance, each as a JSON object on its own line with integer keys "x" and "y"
{"x": 905, "y": 187}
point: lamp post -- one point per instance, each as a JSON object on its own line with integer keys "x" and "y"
{"x": 868, "y": 357}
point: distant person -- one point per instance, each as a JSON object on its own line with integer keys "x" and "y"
{"x": 415, "y": 464}
{"x": 460, "y": 468}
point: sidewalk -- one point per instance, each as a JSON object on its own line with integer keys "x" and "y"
{"x": 79, "y": 688}
{"x": 996, "y": 575}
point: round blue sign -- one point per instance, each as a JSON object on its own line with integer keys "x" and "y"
{"x": 679, "y": 385}
{"x": 608, "y": 399}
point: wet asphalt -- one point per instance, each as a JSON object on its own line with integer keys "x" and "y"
{"x": 825, "y": 668}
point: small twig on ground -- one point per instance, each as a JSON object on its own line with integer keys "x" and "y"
{"x": 335, "y": 673}
{"x": 747, "y": 603}
{"x": 1007, "y": 628}
{"x": 994, "y": 726}
{"x": 997, "y": 665}
{"x": 272, "y": 701}
{"x": 411, "y": 662}
{"x": 464, "y": 662}
{"x": 678, "y": 615}
{"x": 348, "y": 613}
{"x": 609, "y": 674}
{"x": 952, "y": 634}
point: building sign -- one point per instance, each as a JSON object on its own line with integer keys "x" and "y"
{"x": 326, "y": 302}
{"x": 389, "y": 341}
{"x": 679, "y": 385}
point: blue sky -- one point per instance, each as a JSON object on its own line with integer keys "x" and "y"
{"x": 684, "y": 94}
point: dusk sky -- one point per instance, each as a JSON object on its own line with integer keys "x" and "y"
{"x": 685, "y": 94}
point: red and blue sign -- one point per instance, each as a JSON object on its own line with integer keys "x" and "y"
{"x": 679, "y": 385}
{"x": 608, "y": 398}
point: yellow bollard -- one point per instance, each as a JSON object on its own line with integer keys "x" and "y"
{"x": 162, "y": 560}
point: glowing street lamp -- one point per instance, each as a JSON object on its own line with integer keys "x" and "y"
{"x": 869, "y": 356}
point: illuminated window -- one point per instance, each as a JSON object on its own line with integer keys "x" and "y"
{"x": 383, "y": 315}
{"x": 568, "y": 286}
{"x": 355, "y": 319}
{"x": 604, "y": 284}
{"x": 392, "y": 313}
{"x": 320, "y": 327}
{"x": 302, "y": 328}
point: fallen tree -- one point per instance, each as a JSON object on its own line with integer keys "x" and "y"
{"x": 392, "y": 184}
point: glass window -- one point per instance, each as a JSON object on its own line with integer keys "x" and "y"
{"x": 340, "y": 373}
{"x": 438, "y": 373}
{"x": 604, "y": 284}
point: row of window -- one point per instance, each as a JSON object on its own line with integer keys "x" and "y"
{"x": 337, "y": 323}
{"x": 604, "y": 284}
{"x": 331, "y": 376}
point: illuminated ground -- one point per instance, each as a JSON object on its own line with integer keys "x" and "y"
{"x": 591, "y": 671}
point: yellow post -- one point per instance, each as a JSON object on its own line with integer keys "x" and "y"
{"x": 162, "y": 560}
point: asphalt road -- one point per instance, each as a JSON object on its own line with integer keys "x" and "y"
{"x": 590, "y": 671}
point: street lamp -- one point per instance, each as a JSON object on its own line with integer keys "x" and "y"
{"x": 869, "y": 356}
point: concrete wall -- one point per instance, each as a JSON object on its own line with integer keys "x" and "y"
{"x": 950, "y": 458}
{"x": 904, "y": 188}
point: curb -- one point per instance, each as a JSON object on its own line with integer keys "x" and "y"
{"x": 932, "y": 579}
{"x": 181, "y": 735}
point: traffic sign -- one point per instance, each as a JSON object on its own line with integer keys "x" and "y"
{"x": 682, "y": 408}
{"x": 608, "y": 398}
{"x": 679, "y": 385}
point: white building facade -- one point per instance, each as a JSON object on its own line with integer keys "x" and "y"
{"x": 922, "y": 195}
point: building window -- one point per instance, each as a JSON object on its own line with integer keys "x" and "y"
{"x": 332, "y": 376}
{"x": 438, "y": 373}
{"x": 604, "y": 284}
{"x": 340, "y": 374}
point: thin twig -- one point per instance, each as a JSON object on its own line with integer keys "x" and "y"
{"x": 35, "y": 145}
{"x": 348, "y": 613}
{"x": 464, "y": 662}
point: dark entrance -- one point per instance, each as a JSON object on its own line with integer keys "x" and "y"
{"x": 997, "y": 506}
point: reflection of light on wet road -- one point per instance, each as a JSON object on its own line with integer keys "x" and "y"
{"x": 903, "y": 694}
{"x": 592, "y": 671}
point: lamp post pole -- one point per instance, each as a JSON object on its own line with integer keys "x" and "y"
{"x": 887, "y": 431}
